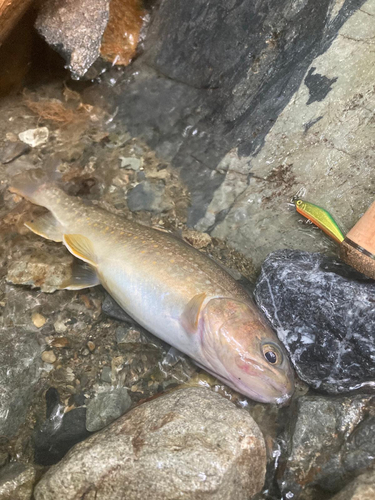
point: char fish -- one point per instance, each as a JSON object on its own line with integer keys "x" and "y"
{"x": 170, "y": 288}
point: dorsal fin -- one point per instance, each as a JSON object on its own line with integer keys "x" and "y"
{"x": 190, "y": 316}
{"x": 81, "y": 247}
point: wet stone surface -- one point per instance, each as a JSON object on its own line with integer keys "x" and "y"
{"x": 323, "y": 311}
{"x": 17, "y": 481}
{"x": 329, "y": 442}
{"x": 361, "y": 488}
{"x": 171, "y": 452}
{"x": 20, "y": 365}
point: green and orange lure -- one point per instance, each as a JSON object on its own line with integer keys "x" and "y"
{"x": 320, "y": 218}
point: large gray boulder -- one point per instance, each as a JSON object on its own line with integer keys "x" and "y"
{"x": 189, "y": 444}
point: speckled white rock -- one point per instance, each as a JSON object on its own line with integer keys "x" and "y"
{"x": 189, "y": 444}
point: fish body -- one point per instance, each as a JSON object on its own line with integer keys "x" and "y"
{"x": 171, "y": 289}
{"x": 321, "y": 218}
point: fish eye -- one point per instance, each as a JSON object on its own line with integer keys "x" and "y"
{"x": 272, "y": 354}
{"x": 298, "y": 202}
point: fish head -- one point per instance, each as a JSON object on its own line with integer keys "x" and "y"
{"x": 243, "y": 351}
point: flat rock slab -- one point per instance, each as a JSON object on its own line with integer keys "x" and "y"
{"x": 323, "y": 312}
{"x": 189, "y": 444}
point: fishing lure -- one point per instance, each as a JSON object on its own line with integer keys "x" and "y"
{"x": 320, "y": 217}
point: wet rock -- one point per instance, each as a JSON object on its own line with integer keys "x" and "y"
{"x": 106, "y": 375}
{"x": 20, "y": 365}
{"x": 12, "y": 151}
{"x": 17, "y": 481}
{"x": 222, "y": 77}
{"x": 361, "y": 488}
{"x": 74, "y": 29}
{"x": 323, "y": 312}
{"x": 59, "y": 432}
{"x": 121, "y": 36}
{"x": 106, "y": 407}
{"x": 331, "y": 442}
{"x": 190, "y": 442}
{"x": 132, "y": 163}
{"x": 40, "y": 268}
{"x": 149, "y": 196}
{"x": 49, "y": 357}
{"x": 125, "y": 335}
{"x": 35, "y": 136}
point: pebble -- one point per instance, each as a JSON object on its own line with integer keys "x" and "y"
{"x": 38, "y": 319}
{"x": 34, "y": 136}
{"x": 106, "y": 375}
{"x": 131, "y": 163}
{"x": 91, "y": 345}
{"x": 49, "y": 357}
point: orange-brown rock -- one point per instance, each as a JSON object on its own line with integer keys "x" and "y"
{"x": 121, "y": 35}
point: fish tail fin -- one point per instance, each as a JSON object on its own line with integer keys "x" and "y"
{"x": 32, "y": 183}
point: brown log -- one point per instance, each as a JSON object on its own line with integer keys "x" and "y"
{"x": 10, "y": 12}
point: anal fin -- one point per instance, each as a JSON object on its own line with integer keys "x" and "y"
{"x": 83, "y": 276}
{"x": 81, "y": 247}
{"x": 46, "y": 226}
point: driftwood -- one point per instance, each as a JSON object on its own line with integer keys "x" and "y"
{"x": 10, "y": 12}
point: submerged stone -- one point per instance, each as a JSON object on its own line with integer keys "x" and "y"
{"x": 105, "y": 407}
{"x": 149, "y": 196}
{"x": 20, "y": 365}
{"x": 189, "y": 444}
{"x": 323, "y": 312}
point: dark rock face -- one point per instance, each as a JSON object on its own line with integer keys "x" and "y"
{"x": 331, "y": 442}
{"x": 323, "y": 311}
{"x": 59, "y": 432}
{"x": 215, "y": 76}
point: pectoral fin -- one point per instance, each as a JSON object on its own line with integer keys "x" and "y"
{"x": 81, "y": 247}
{"x": 83, "y": 276}
{"x": 46, "y": 226}
{"x": 190, "y": 316}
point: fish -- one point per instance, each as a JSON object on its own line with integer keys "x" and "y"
{"x": 320, "y": 217}
{"x": 171, "y": 289}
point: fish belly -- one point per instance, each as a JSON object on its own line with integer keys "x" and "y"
{"x": 151, "y": 304}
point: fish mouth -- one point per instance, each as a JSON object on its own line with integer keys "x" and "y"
{"x": 280, "y": 393}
